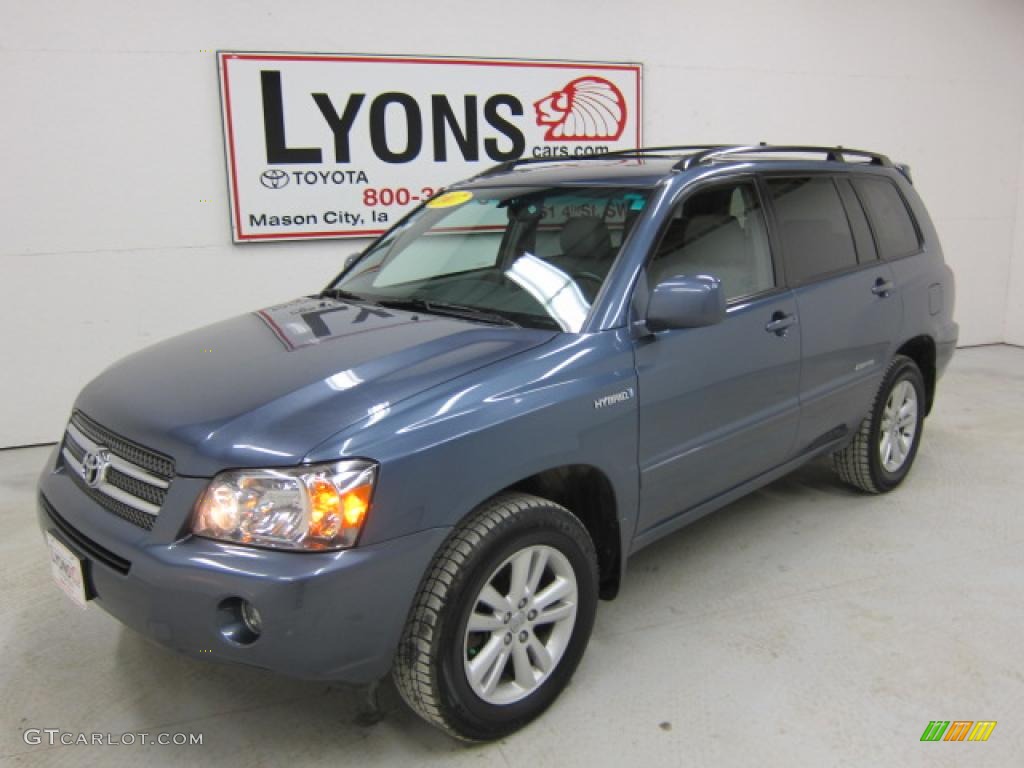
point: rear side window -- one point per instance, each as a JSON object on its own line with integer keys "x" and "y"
{"x": 815, "y": 231}
{"x": 866, "y": 250}
{"x": 894, "y": 228}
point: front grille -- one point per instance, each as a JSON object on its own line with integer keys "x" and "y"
{"x": 151, "y": 461}
{"x": 87, "y": 546}
{"x": 122, "y": 510}
{"x": 123, "y": 477}
{"x": 136, "y": 487}
{"x": 76, "y": 450}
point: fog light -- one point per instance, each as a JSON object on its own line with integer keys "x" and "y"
{"x": 239, "y": 621}
{"x": 251, "y": 617}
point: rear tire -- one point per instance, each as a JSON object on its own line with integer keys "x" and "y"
{"x": 501, "y": 620}
{"x": 883, "y": 450}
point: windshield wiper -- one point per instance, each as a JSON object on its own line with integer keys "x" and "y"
{"x": 340, "y": 293}
{"x": 450, "y": 310}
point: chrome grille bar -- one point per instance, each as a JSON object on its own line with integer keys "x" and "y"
{"x": 109, "y": 490}
{"x": 121, "y": 486}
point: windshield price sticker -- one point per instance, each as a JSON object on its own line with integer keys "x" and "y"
{"x": 451, "y": 199}
{"x": 328, "y": 146}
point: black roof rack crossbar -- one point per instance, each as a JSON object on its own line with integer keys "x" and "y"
{"x": 669, "y": 151}
{"x": 836, "y": 154}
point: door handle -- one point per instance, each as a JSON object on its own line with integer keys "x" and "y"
{"x": 780, "y": 323}
{"x": 882, "y": 287}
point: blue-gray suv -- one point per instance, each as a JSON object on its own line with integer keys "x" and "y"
{"x": 438, "y": 464}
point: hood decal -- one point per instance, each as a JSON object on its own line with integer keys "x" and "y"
{"x": 306, "y": 321}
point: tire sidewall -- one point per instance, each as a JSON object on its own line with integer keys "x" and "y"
{"x": 551, "y": 526}
{"x": 904, "y": 370}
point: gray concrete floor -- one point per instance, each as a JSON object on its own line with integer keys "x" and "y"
{"x": 805, "y": 625}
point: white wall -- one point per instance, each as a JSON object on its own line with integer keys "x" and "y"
{"x": 111, "y": 138}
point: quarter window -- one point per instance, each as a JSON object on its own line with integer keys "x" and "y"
{"x": 815, "y": 231}
{"x": 893, "y": 226}
{"x": 720, "y": 232}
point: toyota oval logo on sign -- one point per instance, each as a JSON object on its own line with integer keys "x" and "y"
{"x": 274, "y": 179}
{"x": 322, "y": 145}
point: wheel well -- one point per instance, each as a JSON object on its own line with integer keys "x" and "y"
{"x": 921, "y": 349}
{"x": 587, "y": 493}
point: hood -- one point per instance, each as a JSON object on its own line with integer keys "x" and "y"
{"x": 265, "y": 388}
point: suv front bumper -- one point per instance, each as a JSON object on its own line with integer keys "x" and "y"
{"x": 325, "y": 615}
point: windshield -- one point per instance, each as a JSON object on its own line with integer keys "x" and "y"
{"x": 535, "y": 257}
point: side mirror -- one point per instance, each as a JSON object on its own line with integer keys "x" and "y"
{"x": 686, "y": 302}
{"x": 350, "y": 260}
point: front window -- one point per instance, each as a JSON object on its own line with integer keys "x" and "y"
{"x": 718, "y": 231}
{"x": 535, "y": 257}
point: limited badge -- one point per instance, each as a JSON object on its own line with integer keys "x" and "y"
{"x": 451, "y": 199}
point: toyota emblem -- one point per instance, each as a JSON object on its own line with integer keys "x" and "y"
{"x": 274, "y": 178}
{"x": 94, "y": 467}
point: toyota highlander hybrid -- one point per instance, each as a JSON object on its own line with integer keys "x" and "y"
{"x": 438, "y": 464}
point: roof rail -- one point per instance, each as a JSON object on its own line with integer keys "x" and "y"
{"x": 508, "y": 165}
{"x": 836, "y": 154}
{"x": 698, "y": 154}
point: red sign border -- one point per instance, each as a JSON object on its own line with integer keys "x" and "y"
{"x": 223, "y": 57}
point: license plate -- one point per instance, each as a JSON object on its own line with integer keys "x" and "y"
{"x": 67, "y": 570}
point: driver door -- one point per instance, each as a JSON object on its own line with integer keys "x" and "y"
{"x": 718, "y": 405}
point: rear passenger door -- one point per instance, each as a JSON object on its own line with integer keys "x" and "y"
{"x": 849, "y": 313}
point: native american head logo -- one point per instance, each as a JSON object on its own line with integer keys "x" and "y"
{"x": 587, "y": 109}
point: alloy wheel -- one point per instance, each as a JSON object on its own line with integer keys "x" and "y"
{"x": 520, "y": 625}
{"x": 899, "y": 426}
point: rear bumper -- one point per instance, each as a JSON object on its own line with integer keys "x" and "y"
{"x": 331, "y": 616}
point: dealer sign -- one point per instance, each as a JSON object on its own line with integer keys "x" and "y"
{"x": 323, "y": 145}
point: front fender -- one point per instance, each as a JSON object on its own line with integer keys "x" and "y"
{"x": 443, "y": 452}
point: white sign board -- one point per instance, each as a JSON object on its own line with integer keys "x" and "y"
{"x": 344, "y": 146}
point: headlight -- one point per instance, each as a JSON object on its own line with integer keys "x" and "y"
{"x": 321, "y": 506}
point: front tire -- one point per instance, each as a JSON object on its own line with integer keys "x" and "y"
{"x": 501, "y": 620}
{"x": 883, "y": 450}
